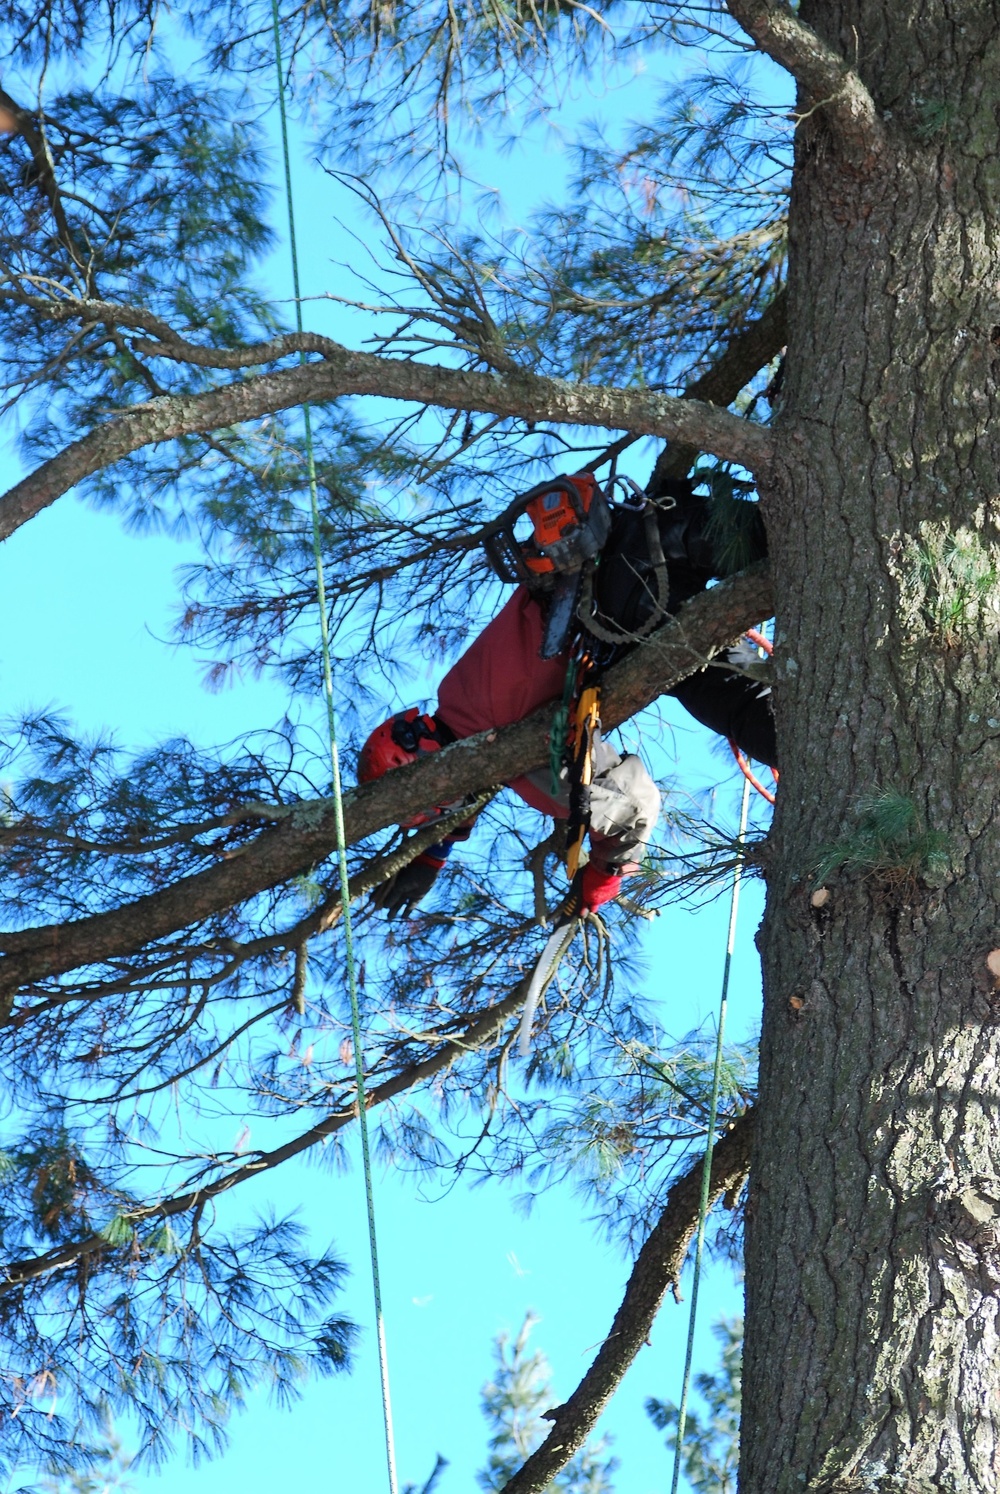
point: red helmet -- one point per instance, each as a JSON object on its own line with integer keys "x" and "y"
{"x": 398, "y": 741}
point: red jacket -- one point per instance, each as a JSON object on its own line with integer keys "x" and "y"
{"x": 500, "y": 679}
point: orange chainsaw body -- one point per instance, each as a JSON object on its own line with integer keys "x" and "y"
{"x": 555, "y": 518}
{"x": 570, "y": 519}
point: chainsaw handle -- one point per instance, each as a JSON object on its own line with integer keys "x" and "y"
{"x": 505, "y": 559}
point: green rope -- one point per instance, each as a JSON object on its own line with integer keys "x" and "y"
{"x": 331, "y": 720}
{"x": 559, "y": 729}
{"x": 713, "y": 1112}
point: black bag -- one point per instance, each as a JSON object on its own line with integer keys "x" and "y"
{"x": 696, "y": 539}
{"x": 692, "y": 537}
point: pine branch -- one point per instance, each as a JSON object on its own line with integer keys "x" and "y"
{"x": 44, "y": 170}
{"x": 303, "y": 835}
{"x": 523, "y": 395}
{"x": 444, "y": 1048}
{"x": 657, "y": 1268}
{"x": 318, "y": 921}
{"x": 827, "y": 80}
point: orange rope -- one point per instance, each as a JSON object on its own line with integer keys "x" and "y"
{"x": 741, "y": 762}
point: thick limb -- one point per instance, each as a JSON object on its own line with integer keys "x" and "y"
{"x": 524, "y": 395}
{"x": 657, "y": 1267}
{"x": 826, "y": 79}
{"x": 304, "y": 835}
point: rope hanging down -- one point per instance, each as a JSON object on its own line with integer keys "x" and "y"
{"x": 713, "y": 1113}
{"x": 331, "y": 721}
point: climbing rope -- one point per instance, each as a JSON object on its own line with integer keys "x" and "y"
{"x": 338, "y": 804}
{"x": 713, "y": 1112}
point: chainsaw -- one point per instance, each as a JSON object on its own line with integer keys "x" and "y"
{"x": 571, "y": 520}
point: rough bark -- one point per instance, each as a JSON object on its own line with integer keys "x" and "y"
{"x": 826, "y": 78}
{"x": 526, "y": 395}
{"x": 305, "y": 834}
{"x": 873, "y": 1237}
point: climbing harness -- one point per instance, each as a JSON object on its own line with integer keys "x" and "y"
{"x": 605, "y": 628}
{"x": 345, "y": 899}
{"x": 713, "y": 1113}
{"x": 762, "y": 642}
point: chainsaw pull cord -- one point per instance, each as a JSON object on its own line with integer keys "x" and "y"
{"x": 345, "y": 899}
{"x": 713, "y": 1115}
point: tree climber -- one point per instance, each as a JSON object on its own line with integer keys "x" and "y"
{"x": 593, "y": 581}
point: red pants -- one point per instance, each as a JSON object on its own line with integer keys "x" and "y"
{"x": 500, "y": 679}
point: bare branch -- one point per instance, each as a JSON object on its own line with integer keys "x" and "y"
{"x": 657, "y": 1268}
{"x": 305, "y": 835}
{"x": 521, "y": 395}
{"x": 825, "y": 77}
{"x": 745, "y": 355}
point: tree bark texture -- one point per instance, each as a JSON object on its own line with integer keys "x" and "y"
{"x": 873, "y": 1237}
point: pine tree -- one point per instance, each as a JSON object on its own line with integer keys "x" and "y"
{"x": 168, "y": 914}
{"x": 514, "y": 1404}
{"x": 106, "y": 1470}
{"x": 710, "y": 1455}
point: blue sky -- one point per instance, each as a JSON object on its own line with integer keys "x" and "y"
{"x": 84, "y": 611}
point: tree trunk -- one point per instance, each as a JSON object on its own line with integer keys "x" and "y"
{"x": 873, "y": 1231}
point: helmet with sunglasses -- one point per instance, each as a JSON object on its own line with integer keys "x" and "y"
{"x": 402, "y": 739}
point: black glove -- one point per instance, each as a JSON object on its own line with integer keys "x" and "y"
{"x": 402, "y": 892}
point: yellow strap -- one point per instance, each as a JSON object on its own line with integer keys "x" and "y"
{"x": 586, "y": 720}
{"x": 573, "y": 853}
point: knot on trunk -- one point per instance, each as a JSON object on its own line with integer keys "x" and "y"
{"x": 967, "y": 1226}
